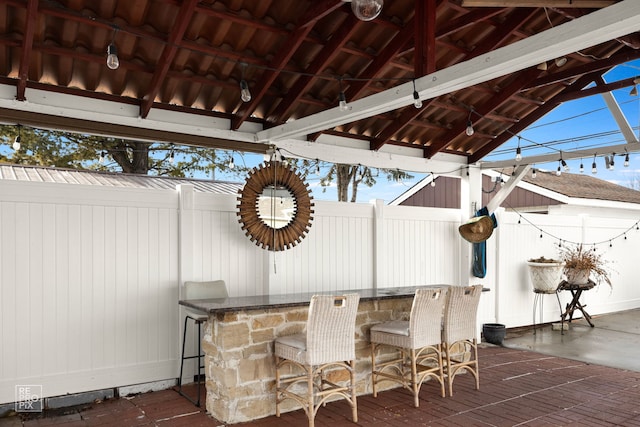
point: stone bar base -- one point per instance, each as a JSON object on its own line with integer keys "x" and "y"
{"x": 239, "y": 361}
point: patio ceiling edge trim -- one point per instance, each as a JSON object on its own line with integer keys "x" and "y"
{"x": 54, "y": 122}
{"x": 402, "y": 158}
{"x": 597, "y": 27}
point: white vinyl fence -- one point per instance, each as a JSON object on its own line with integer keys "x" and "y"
{"x": 90, "y": 276}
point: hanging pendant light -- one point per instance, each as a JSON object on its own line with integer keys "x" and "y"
{"x": 469, "y": 130}
{"x": 417, "y": 102}
{"x": 112, "y": 52}
{"x": 366, "y": 10}
{"x": 18, "y": 140}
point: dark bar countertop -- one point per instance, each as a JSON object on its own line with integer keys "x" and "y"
{"x": 262, "y": 302}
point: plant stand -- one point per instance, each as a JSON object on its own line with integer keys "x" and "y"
{"x": 575, "y": 304}
{"x": 539, "y": 300}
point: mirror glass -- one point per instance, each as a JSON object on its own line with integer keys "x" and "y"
{"x": 276, "y": 206}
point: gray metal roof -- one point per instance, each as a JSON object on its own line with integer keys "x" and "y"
{"x": 112, "y": 179}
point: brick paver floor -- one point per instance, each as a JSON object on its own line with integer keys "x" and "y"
{"x": 517, "y": 388}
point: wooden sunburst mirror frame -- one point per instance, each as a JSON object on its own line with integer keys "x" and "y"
{"x": 275, "y": 173}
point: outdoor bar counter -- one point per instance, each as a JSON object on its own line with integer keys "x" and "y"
{"x": 238, "y": 345}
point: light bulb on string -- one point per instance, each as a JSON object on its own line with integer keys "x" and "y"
{"x": 245, "y": 93}
{"x": 626, "y": 160}
{"x": 171, "y": 155}
{"x": 612, "y": 163}
{"x": 559, "y": 171}
{"x": 518, "y": 151}
{"x": 417, "y": 102}
{"x": 366, "y": 10}
{"x": 342, "y": 98}
{"x": 112, "y": 52}
{"x": 18, "y": 140}
{"x": 317, "y": 167}
{"x": 534, "y": 174}
{"x": 231, "y": 164}
{"x": 594, "y": 167}
{"x": 565, "y": 166}
{"x": 101, "y": 158}
{"x": 433, "y": 180}
{"x": 581, "y": 166}
{"x": 469, "y": 131}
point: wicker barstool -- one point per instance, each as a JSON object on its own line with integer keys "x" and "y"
{"x": 327, "y": 344}
{"x": 417, "y": 342}
{"x": 459, "y": 333}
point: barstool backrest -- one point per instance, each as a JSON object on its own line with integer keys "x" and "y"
{"x": 460, "y": 313}
{"x": 331, "y": 328}
{"x": 204, "y": 290}
{"x": 425, "y": 321}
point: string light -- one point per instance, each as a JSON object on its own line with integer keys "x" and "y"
{"x": 112, "y": 52}
{"x": 317, "y": 167}
{"x": 518, "y": 151}
{"x": 231, "y": 164}
{"x": 469, "y": 131}
{"x": 581, "y": 167}
{"x": 433, "y": 180}
{"x": 245, "y": 93}
{"x": 559, "y": 171}
{"x": 17, "y": 141}
{"x": 417, "y": 102}
{"x": 534, "y": 173}
{"x": 172, "y": 155}
{"x": 101, "y": 158}
{"x": 342, "y": 98}
{"x": 562, "y": 242}
{"x": 594, "y": 167}
{"x": 626, "y": 160}
{"x": 366, "y": 10}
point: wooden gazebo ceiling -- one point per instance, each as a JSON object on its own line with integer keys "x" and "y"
{"x": 190, "y": 56}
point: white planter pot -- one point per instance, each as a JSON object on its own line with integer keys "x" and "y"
{"x": 578, "y": 276}
{"x": 545, "y": 276}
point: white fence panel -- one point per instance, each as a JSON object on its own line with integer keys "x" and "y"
{"x": 89, "y": 276}
{"x": 87, "y": 288}
{"x": 421, "y": 246}
{"x": 535, "y": 235}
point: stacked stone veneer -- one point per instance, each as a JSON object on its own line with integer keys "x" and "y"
{"x": 239, "y": 361}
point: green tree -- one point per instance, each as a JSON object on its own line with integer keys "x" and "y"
{"x": 91, "y": 152}
{"x": 351, "y": 177}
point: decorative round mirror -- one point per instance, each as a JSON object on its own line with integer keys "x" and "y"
{"x": 275, "y": 207}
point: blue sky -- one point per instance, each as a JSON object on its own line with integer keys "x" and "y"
{"x": 582, "y": 124}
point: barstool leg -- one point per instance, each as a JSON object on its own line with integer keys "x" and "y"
{"x": 184, "y": 339}
{"x": 199, "y": 361}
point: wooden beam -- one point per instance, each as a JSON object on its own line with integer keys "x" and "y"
{"x": 27, "y": 46}
{"x": 539, "y": 3}
{"x": 600, "y": 26}
{"x": 166, "y": 58}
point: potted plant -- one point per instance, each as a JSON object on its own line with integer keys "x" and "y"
{"x": 545, "y": 274}
{"x": 581, "y": 264}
